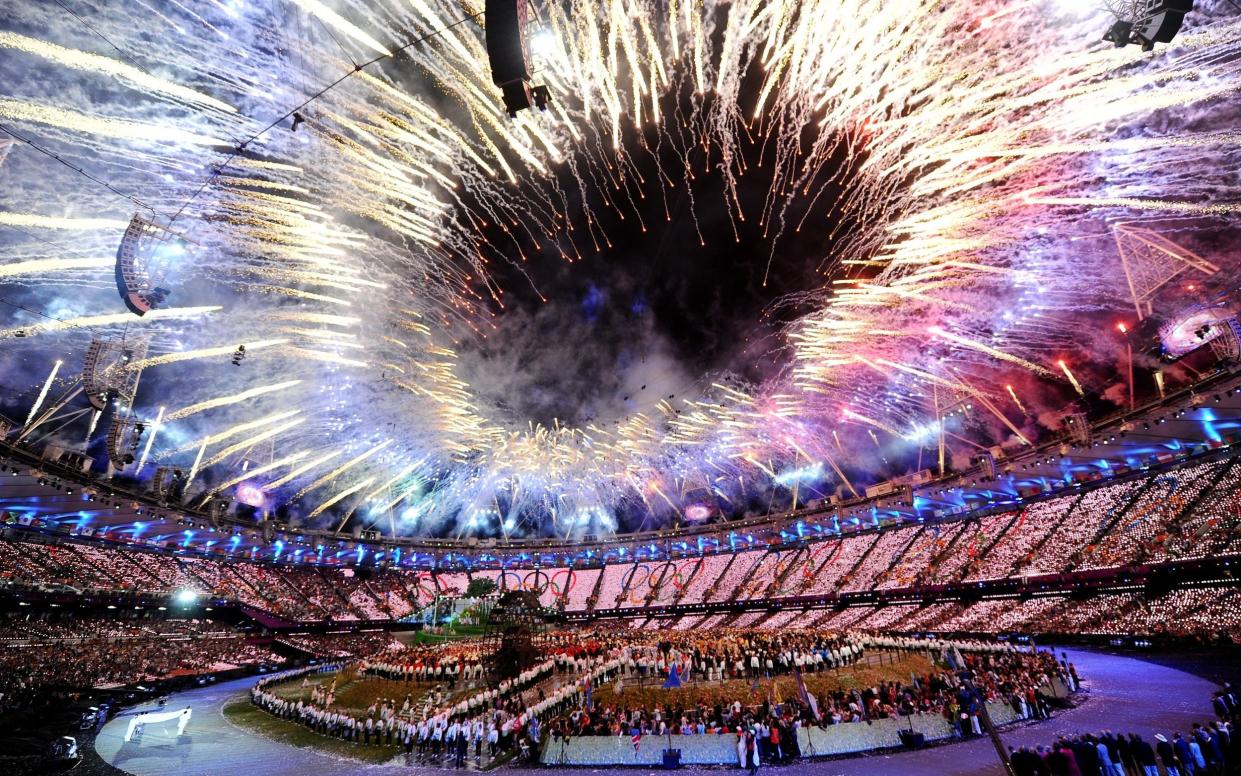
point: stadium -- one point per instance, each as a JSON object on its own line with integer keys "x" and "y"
{"x": 841, "y": 387}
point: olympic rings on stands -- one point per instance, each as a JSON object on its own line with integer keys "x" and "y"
{"x": 680, "y": 581}
{"x": 628, "y": 585}
{"x": 540, "y": 583}
{"x": 425, "y": 585}
{"x": 570, "y": 577}
{"x": 516, "y": 581}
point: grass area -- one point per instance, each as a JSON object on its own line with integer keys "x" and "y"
{"x": 782, "y": 688}
{"x": 354, "y": 692}
{"x": 245, "y": 715}
{"x": 451, "y": 633}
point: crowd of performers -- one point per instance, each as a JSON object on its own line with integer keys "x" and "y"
{"x": 971, "y": 673}
{"x": 564, "y": 695}
{"x": 1204, "y": 749}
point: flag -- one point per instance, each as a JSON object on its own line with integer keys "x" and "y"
{"x": 637, "y": 740}
{"x": 674, "y": 679}
{"x": 806, "y": 697}
{"x": 958, "y": 658}
{"x": 857, "y": 697}
{"x": 949, "y": 659}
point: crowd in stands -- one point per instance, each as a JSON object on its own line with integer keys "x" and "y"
{"x": 725, "y": 588}
{"x": 839, "y": 558}
{"x": 1212, "y": 527}
{"x": 1092, "y": 514}
{"x": 696, "y": 587}
{"x": 25, "y": 628}
{"x": 611, "y": 585}
{"x": 581, "y": 591}
{"x": 1128, "y": 539}
{"x": 1204, "y": 749}
{"x": 300, "y": 593}
{"x": 912, "y": 566}
{"x": 881, "y": 556}
{"x": 393, "y": 597}
{"x": 363, "y": 601}
{"x": 30, "y": 672}
{"x": 1167, "y": 516}
{"x": 971, "y": 546}
{"x": 321, "y": 594}
{"x": 1019, "y": 543}
{"x": 341, "y": 645}
{"x": 1204, "y": 613}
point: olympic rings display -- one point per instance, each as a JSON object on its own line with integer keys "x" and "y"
{"x": 660, "y": 577}
{"x": 570, "y": 577}
{"x": 539, "y": 586}
{"x": 680, "y": 581}
{"x": 817, "y": 559}
{"x": 425, "y": 585}
{"x": 628, "y": 585}
{"x": 514, "y": 585}
{"x": 683, "y": 572}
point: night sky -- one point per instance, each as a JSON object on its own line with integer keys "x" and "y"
{"x": 661, "y": 310}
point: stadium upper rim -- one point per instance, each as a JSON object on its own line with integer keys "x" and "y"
{"x": 1197, "y": 421}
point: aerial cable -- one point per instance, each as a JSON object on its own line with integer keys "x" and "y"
{"x": 331, "y": 35}
{"x": 100, "y": 35}
{"x": 357, "y": 68}
{"x": 77, "y": 169}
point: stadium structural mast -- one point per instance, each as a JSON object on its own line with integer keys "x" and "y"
{"x": 1151, "y": 261}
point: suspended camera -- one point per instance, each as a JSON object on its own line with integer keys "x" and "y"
{"x": 509, "y": 55}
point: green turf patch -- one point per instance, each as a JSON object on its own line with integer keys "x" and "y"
{"x": 356, "y": 692}
{"x": 649, "y": 693}
{"x": 245, "y": 715}
{"x": 453, "y": 633}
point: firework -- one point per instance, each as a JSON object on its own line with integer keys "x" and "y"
{"x": 985, "y": 147}
{"x": 47, "y": 386}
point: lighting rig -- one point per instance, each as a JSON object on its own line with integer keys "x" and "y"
{"x": 143, "y": 260}
{"x": 509, "y": 55}
{"x": 1146, "y": 22}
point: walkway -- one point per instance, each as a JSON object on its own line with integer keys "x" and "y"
{"x": 1126, "y": 694}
